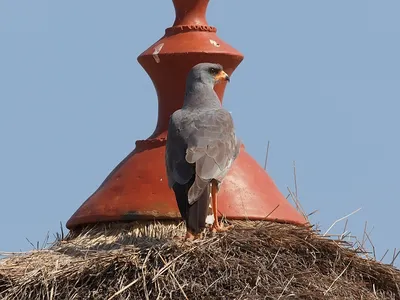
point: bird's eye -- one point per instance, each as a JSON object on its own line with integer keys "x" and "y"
{"x": 213, "y": 71}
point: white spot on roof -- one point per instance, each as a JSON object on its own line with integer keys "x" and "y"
{"x": 214, "y": 43}
{"x": 157, "y": 50}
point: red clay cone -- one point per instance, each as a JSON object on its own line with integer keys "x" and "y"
{"x": 137, "y": 188}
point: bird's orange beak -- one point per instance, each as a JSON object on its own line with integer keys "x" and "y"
{"x": 221, "y": 76}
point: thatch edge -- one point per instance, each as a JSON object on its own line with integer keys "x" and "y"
{"x": 138, "y": 244}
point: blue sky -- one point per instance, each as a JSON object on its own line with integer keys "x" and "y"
{"x": 320, "y": 80}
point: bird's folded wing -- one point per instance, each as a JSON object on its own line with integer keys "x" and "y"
{"x": 213, "y": 145}
{"x": 178, "y": 169}
{"x": 208, "y": 141}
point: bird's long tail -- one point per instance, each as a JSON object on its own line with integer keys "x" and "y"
{"x": 197, "y": 189}
{"x": 194, "y": 214}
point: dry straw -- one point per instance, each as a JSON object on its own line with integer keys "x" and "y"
{"x": 256, "y": 260}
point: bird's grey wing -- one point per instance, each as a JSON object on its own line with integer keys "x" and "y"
{"x": 178, "y": 169}
{"x": 213, "y": 147}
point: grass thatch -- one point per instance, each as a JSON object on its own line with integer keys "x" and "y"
{"x": 256, "y": 260}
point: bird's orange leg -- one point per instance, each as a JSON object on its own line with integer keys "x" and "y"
{"x": 216, "y": 227}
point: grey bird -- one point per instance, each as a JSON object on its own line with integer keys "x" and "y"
{"x": 201, "y": 147}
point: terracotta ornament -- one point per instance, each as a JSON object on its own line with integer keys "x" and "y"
{"x": 137, "y": 188}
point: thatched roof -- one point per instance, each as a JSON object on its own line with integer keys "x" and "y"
{"x": 257, "y": 260}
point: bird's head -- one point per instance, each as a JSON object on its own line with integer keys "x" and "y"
{"x": 207, "y": 73}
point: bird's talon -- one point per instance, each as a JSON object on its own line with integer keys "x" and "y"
{"x": 191, "y": 237}
{"x": 220, "y": 228}
{"x": 188, "y": 237}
